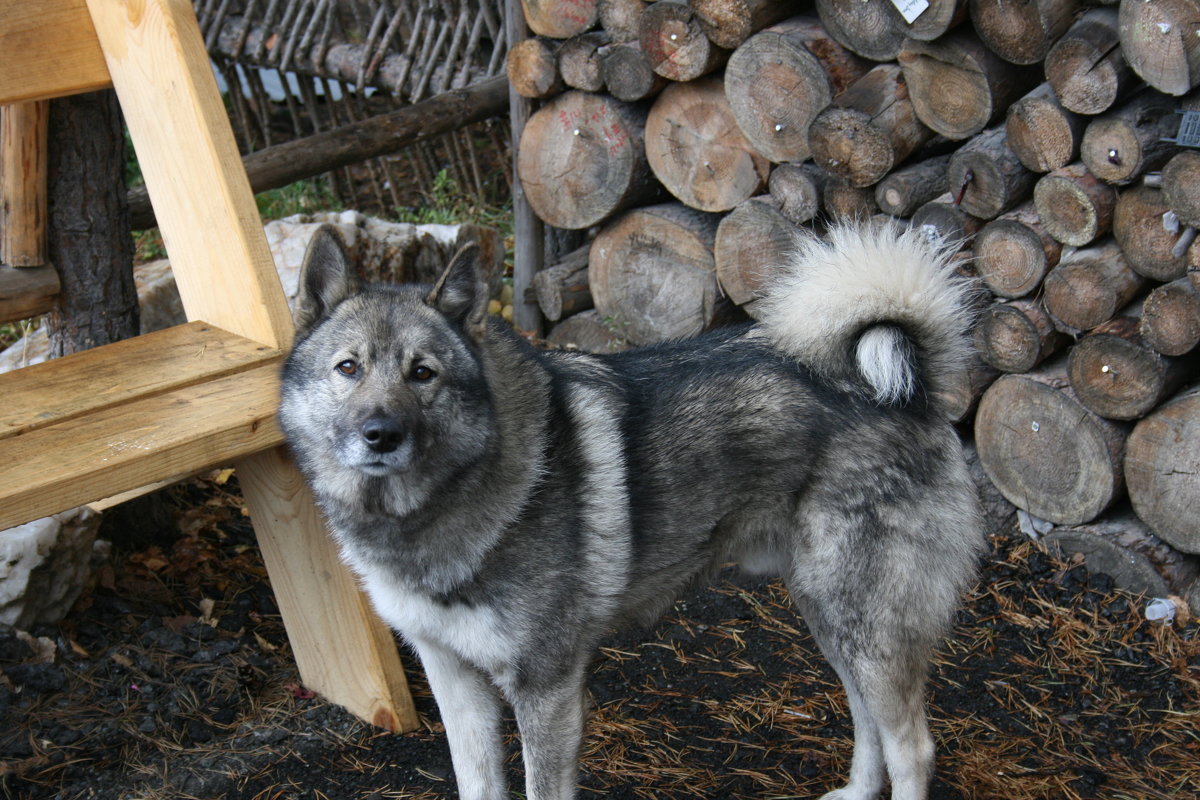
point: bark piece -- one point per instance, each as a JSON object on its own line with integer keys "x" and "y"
{"x": 1162, "y": 466}
{"x": 1043, "y": 134}
{"x": 870, "y": 128}
{"x": 1076, "y": 208}
{"x": 697, "y": 150}
{"x": 652, "y": 274}
{"x": 781, "y": 78}
{"x": 1090, "y": 286}
{"x": 581, "y": 159}
{"x": 1045, "y": 451}
{"x": 1086, "y": 66}
{"x": 87, "y": 233}
{"x": 958, "y": 86}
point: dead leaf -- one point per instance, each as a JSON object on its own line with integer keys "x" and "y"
{"x": 207, "y": 605}
{"x": 42, "y": 647}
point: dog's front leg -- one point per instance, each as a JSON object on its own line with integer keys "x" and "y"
{"x": 470, "y": 709}
{"x": 550, "y": 718}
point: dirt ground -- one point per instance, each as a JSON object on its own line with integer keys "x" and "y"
{"x": 173, "y": 679}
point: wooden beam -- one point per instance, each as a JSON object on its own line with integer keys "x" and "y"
{"x": 226, "y": 276}
{"x": 343, "y": 650}
{"x": 49, "y": 49}
{"x": 186, "y": 150}
{"x": 26, "y": 291}
{"x": 23, "y": 198}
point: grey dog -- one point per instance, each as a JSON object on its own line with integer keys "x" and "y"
{"x": 505, "y": 507}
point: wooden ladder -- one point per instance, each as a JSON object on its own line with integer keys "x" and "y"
{"x": 172, "y": 403}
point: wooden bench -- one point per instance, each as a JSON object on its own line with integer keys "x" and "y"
{"x": 169, "y": 404}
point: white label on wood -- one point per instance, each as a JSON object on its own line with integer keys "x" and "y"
{"x": 910, "y": 9}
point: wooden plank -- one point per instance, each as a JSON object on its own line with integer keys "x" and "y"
{"x": 26, "y": 291}
{"x": 343, "y": 650}
{"x": 50, "y": 50}
{"x": 89, "y": 457}
{"x": 106, "y": 377}
{"x": 190, "y": 162}
{"x": 23, "y": 197}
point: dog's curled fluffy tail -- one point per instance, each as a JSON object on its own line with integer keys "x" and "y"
{"x": 874, "y": 308}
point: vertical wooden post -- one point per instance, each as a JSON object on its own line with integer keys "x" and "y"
{"x": 23, "y": 129}
{"x": 528, "y": 232}
{"x": 226, "y": 277}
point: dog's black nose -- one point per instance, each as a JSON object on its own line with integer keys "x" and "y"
{"x": 382, "y": 434}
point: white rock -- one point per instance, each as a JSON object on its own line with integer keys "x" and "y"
{"x": 44, "y": 565}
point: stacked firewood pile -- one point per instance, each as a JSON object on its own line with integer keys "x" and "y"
{"x": 691, "y": 138}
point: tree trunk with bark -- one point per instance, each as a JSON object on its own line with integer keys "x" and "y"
{"x": 87, "y": 225}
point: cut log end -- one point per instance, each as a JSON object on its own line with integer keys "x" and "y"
{"x": 1045, "y": 452}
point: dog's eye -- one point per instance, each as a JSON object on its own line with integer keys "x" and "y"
{"x": 422, "y": 373}
{"x": 347, "y": 367}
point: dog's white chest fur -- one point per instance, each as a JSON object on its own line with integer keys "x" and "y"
{"x": 476, "y": 633}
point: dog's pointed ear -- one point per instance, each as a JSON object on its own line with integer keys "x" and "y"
{"x": 461, "y": 294}
{"x": 326, "y": 277}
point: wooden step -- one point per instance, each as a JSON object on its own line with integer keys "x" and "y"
{"x": 109, "y": 420}
{"x": 26, "y": 291}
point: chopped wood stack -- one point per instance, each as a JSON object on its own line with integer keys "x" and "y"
{"x": 1038, "y": 139}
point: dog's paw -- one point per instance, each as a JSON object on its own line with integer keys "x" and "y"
{"x": 852, "y": 792}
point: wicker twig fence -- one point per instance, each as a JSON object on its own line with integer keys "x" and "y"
{"x": 307, "y": 66}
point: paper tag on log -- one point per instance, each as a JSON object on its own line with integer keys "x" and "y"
{"x": 910, "y": 9}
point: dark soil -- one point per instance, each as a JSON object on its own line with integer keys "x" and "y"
{"x": 173, "y": 679}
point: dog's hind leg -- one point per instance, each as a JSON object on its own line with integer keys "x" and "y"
{"x": 470, "y": 708}
{"x": 867, "y": 766}
{"x": 884, "y": 676}
{"x": 551, "y": 718}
